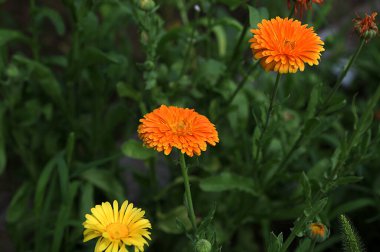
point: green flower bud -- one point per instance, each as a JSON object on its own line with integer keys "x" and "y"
{"x": 147, "y": 5}
{"x": 203, "y": 245}
{"x": 369, "y": 34}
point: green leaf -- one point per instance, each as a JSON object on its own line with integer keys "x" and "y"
{"x": 16, "y": 208}
{"x": 210, "y": 71}
{"x": 228, "y": 182}
{"x": 306, "y": 187}
{"x": 63, "y": 216}
{"x": 106, "y": 181}
{"x": 135, "y": 149}
{"x": 3, "y": 156}
{"x": 42, "y": 183}
{"x": 347, "y": 180}
{"x": 125, "y": 90}
{"x": 167, "y": 221}
{"x": 7, "y": 36}
{"x": 94, "y": 56}
{"x": 313, "y": 101}
{"x": 86, "y": 198}
{"x": 275, "y": 242}
{"x": 256, "y": 15}
{"x": 43, "y": 76}
{"x": 53, "y": 16}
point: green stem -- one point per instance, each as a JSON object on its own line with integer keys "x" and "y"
{"x": 241, "y": 84}
{"x": 323, "y": 106}
{"x": 341, "y": 77}
{"x": 292, "y": 10}
{"x": 269, "y": 112}
{"x": 189, "y": 201}
{"x": 297, "y": 228}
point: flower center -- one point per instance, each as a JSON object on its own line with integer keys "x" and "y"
{"x": 117, "y": 231}
{"x": 289, "y": 44}
{"x": 180, "y": 127}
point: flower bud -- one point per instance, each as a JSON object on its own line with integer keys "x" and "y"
{"x": 203, "y": 245}
{"x": 366, "y": 27}
{"x": 317, "y": 231}
{"x": 147, "y": 5}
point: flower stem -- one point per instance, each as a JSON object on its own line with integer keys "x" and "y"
{"x": 325, "y": 104}
{"x": 269, "y": 112}
{"x": 341, "y": 77}
{"x": 190, "y": 209}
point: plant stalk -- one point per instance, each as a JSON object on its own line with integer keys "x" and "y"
{"x": 269, "y": 112}
{"x": 190, "y": 209}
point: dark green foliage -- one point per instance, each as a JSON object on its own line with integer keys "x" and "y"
{"x": 77, "y": 75}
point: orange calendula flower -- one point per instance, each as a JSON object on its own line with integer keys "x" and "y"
{"x": 117, "y": 228}
{"x": 284, "y": 45}
{"x": 366, "y": 26}
{"x": 301, "y": 5}
{"x": 182, "y": 128}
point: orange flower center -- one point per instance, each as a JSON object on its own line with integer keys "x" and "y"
{"x": 289, "y": 45}
{"x": 180, "y": 128}
{"x": 117, "y": 231}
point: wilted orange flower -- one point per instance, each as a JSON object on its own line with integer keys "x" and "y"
{"x": 301, "y": 5}
{"x": 183, "y": 128}
{"x": 284, "y": 45}
{"x": 366, "y": 26}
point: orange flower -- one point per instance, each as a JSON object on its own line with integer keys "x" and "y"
{"x": 284, "y": 45}
{"x": 366, "y": 26}
{"x": 301, "y": 5}
{"x": 183, "y": 128}
{"x": 317, "y": 231}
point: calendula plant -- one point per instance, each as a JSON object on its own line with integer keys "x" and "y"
{"x": 202, "y": 126}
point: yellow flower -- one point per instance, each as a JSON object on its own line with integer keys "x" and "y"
{"x": 285, "y": 45}
{"x": 116, "y": 228}
{"x": 182, "y": 128}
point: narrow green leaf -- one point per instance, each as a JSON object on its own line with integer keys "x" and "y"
{"x": 54, "y": 17}
{"x": 228, "y": 182}
{"x": 3, "y": 155}
{"x": 16, "y": 208}
{"x": 7, "y": 36}
{"x": 42, "y": 183}
{"x": 306, "y": 187}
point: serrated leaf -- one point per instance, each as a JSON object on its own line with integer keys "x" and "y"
{"x": 227, "y": 182}
{"x": 135, "y": 149}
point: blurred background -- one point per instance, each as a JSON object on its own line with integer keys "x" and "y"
{"x": 77, "y": 75}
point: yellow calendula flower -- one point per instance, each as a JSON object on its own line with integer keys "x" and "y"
{"x": 117, "y": 228}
